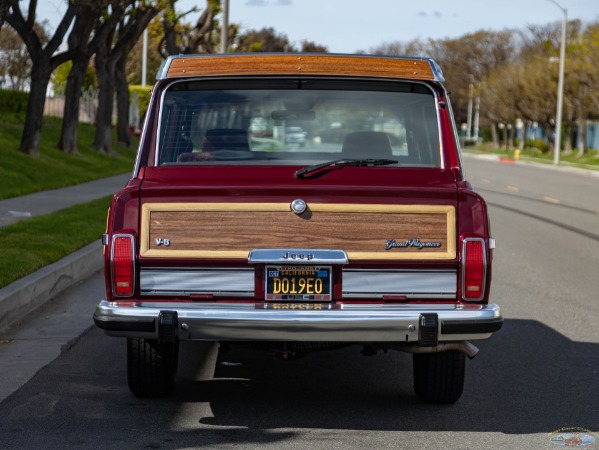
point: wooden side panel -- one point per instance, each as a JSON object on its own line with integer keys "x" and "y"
{"x": 386, "y": 232}
{"x": 300, "y": 64}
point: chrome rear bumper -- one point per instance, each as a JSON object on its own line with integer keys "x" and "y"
{"x": 346, "y": 323}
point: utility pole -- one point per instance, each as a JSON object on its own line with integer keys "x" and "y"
{"x": 224, "y": 32}
{"x": 469, "y": 118}
{"x": 476, "y": 114}
{"x": 560, "y": 86}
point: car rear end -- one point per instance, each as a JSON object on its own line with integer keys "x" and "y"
{"x": 366, "y": 234}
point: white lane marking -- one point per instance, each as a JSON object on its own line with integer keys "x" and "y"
{"x": 512, "y": 188}
{"x": 551, "y": 199}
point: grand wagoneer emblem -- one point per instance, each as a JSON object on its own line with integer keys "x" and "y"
{"x": 411, "y": 243}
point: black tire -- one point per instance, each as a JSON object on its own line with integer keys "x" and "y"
{"x": 151, "y": 367}
{"x": 439, "y": 377}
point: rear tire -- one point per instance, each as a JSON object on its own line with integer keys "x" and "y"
{"x": 439, "y": 377}
{"x": 151, "y": 367}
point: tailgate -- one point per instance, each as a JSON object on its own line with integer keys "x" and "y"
{"x": 195, "y": 239}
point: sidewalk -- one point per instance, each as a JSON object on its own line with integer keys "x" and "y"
{"x": 15, "y": 209}
{"x": 25, "y": 295}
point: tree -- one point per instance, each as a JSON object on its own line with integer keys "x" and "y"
{"x": 542, "y": 43}
{"x": 154, "y": 58}
{"x": 180, "y": 38}
{"x": 470, "y": 59}
{"x": 15, "y": 64}
{"x": 90, "y": 17}
{"x": 583, "y": 86}
{"x": 313, "y": 47}
{"x": 59, "y": 78}
{"x": 111, "y": 57}
{"x": 516, "y": 91}
{"x": 44, "y": 60}
{"x": 412, "y": 48}
{"x": 263, "y": 40}
{"x": 466, "y": 60}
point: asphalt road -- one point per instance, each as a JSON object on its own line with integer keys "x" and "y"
{"x": 539, "y": 374}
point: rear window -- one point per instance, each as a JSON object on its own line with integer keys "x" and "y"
{"x": 291, "y": 122}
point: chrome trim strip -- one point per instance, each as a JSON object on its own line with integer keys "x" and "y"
{"x": 349, "y": 323}
{"x": 409, "y": 283}
{"x": 160, "y": 107}
{"x": 437, "y": 72}
{"x": 165, "y": 66}
{"x": 177, "y": 281}
{"x": 408, "y": 296}
{"x": 142, "y": 138}
{"x": 456, "y": 139}
{"x": 441, "y": 155}
{"x": 484, "y": 284}
{"x": 297, "y": 256}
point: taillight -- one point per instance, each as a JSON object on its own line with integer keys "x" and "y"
{"x": 122, "y": 260}
{"x": 474, "y": 268}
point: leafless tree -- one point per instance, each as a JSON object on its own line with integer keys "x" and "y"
{"x": 44, "y": 59}
{"x": 180, "y": 38}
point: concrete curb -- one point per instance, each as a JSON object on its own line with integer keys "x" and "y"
{"x": 29, "y": 293}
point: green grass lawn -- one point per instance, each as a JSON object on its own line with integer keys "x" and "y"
{"x": 22, "y": 174}
{"x": 34, "y": 243}
{"x": 590, "y": 159}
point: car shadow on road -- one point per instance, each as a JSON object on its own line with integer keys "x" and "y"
{"x": 527, "y": 379}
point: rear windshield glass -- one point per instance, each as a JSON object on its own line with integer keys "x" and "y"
{"x": 297, "y": 123}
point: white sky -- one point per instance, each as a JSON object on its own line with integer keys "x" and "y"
{"x": 345, "y": 26}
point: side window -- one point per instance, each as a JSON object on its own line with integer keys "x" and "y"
{"x": 175, "y": 135}
{"x": 422, "y": 137}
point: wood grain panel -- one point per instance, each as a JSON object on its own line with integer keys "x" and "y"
{"x": 300, "y": 64}
{"x": 233, "y": 230}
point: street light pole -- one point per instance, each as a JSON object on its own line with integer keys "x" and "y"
{"x": 144, "y": 58}
{"x": 560, "y": 85}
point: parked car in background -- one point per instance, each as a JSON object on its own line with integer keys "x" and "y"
{"x": 295, "y": 135}
{"x": 367, "y": 235}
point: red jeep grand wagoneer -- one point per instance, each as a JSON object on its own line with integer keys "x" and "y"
{"x": 364, "y": 231}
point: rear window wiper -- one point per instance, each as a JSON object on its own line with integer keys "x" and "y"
{"x": 344, "y": 162}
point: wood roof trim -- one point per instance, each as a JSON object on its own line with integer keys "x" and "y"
{"x": 300, "y": 64}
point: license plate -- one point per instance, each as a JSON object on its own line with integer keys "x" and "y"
{"x": 298, "y": 283}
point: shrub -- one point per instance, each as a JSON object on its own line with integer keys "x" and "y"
{"x": 59, "y": 79}
{"x": 143, "y": 94}
{"x": 13, "y": 101}
{"x": 542, "y": 145}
